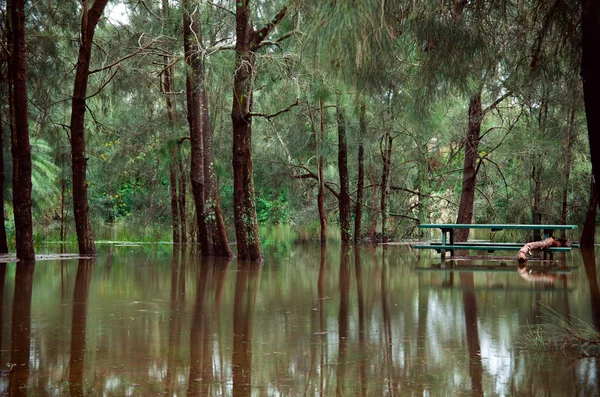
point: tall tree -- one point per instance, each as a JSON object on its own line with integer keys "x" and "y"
{"x": 248, "y": 41}
{"x": 3, "y": 242}
{"x": 193, "y": 62}
{"x": 90, "y": 16}
{"x": 590, "y": 64}
{"x": 361, "y": 172}
{"x": 344, "y": 196}
{"x": 21, "y": 148}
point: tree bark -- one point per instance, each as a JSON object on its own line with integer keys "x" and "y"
{"x": 168, "y": 88}
{"x": 219, "y": 243}
{"x": 89, "y": 20}
{"x": 590, "y": 64}
{"x": 375, "y": 204}
{"x": 539, "y": 245}
{"x": 193, "y": 83}
{"x": 247, "y": 42}
{"x": 344, "y": 197}
{"x": 467, "y": 198}
{"x": 182, "y": 177}
{"x": 386, "y": 154}
{"x": 567, "y": 166}
{"x": 588, "y": 234}
{"x": 3, "y": 242}
{"x": 320, "y": 144}
{"x": 21, "y": 148}
{"x": 361, "y": 173}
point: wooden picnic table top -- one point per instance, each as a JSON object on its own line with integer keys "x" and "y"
{"x": 494, "y": 226}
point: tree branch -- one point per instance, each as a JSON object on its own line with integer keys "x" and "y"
{"x": 259, "y": 35}
{"x": 496, "y": 102}
{"x": 221, "y": 7}
{"x": 118, "y": 61}
{"x": 270, "y": 116}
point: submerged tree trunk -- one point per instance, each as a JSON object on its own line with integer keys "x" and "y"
{"x": 588, "y": 234}
{"x": 361, "y": 173}
{"x": 344, "y": 197}
{"x": 467, "y": 198}
{"x": 89, "y": 20}
{"x": 21, "y": 148}
{"x": 590, "y": 64}
{"x": 247, "y": 42}
{"x": 193, "y": 83}
{"x": 386, "y": 154}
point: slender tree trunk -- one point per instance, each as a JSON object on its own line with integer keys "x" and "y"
{"x": 3, "y": 242}
{"x": 182, "y": 194}
{"x": 320, "y": 145}
{"x": 344, "y": 197}
{"x": 467, "y": 199}
{"x": 89, "y": 20}
{"x": 567, "y": 166}
{"x": 21, "y": 148}
{"x": 193, "y": 83}
{"x": 168, "y": 88}
{"x": 536, "y": 209}
{"x": 375, "y": 204}
{"x": 590, "y": 64}
{"x": 385, "y": 183}
{"x": 361, "y": 173}
{"x": 588, "y": 234}
{"x": 247, "y": 42}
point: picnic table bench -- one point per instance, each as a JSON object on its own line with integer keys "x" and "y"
{"x": 447, "y": 243}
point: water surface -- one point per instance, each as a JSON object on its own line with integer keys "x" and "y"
{"x": 149, "y": 320}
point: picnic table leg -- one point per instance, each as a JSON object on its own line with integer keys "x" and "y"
{"x": 443, "y": 251}
{"x": 451, "y": 232}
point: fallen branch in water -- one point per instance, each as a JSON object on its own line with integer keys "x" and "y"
{"x": 540, "y": 245}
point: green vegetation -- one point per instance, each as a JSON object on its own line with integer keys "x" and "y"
{"x": 415, "y": 66}
{"x": 559, "y": 333}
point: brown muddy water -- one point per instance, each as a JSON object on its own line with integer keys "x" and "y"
{"x": 139, "y": 320}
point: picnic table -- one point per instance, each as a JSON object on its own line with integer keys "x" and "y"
{"x": 447, "y": 243}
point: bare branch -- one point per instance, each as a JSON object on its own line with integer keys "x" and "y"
{"x": 118, "y": 61}
{"x": 259, "y": 35}
{"x": 496, "y": 102}
{"x": 270, "y": 116}
{"x": 221, "y": 7}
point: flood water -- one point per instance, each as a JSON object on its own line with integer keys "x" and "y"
{"x": 144, "y": 320}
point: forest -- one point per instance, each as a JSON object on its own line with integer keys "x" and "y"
{"x": 212, "y": 122}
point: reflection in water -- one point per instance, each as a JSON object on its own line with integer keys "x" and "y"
{"x": 344, "y": 284}
{"x": 2, "y": 279}
{"x": 163, "y": 327}
{"x": 80, "y": 297}
{"x": 589, "y": 262}
{"x": 246, "y": 289}
{"x": 21, "y": 328}
{"x": 470, "y": 307}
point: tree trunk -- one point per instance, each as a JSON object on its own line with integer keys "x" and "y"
{"x": 588, "y": 234}
{"x": 320, "y": 147}
{"x": 536, "y": 209}
{"x": 219, "y": 243}
{"x": 567, "y": 166}
{"x": 386, "y": 154}
{"x": 3, "y": 242}
{"x": 182, "y": 194}
{"x": 168, "y": 88}
{"x": 344, "y": 197}
{"x": 590, "y": 64}
{"x": 247, "y": 42}
{"x": 89, "y": 20}
{"x": 539, "y": 245}
{"x": 361, "y": 173}
{"x": 375, "y": 204}
{"x": 467, "y": 198}
{"x": 193, "y": 84}
{"x": 21, "y": 149}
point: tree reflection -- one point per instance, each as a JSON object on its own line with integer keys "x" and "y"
{"x": 344, "y": 283}
{"x": 85, "y": 268}
{"x": 246, "y": 289}
{"x": 200, "y": 375}
{"x": 361, "y": 321}
{"x": 174, "y": 317}
{"x": 2, "y": 280}
{"x": 21, "y": 328}
{"x": 589, "y": 261}
{"x": 472, "y": 331}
